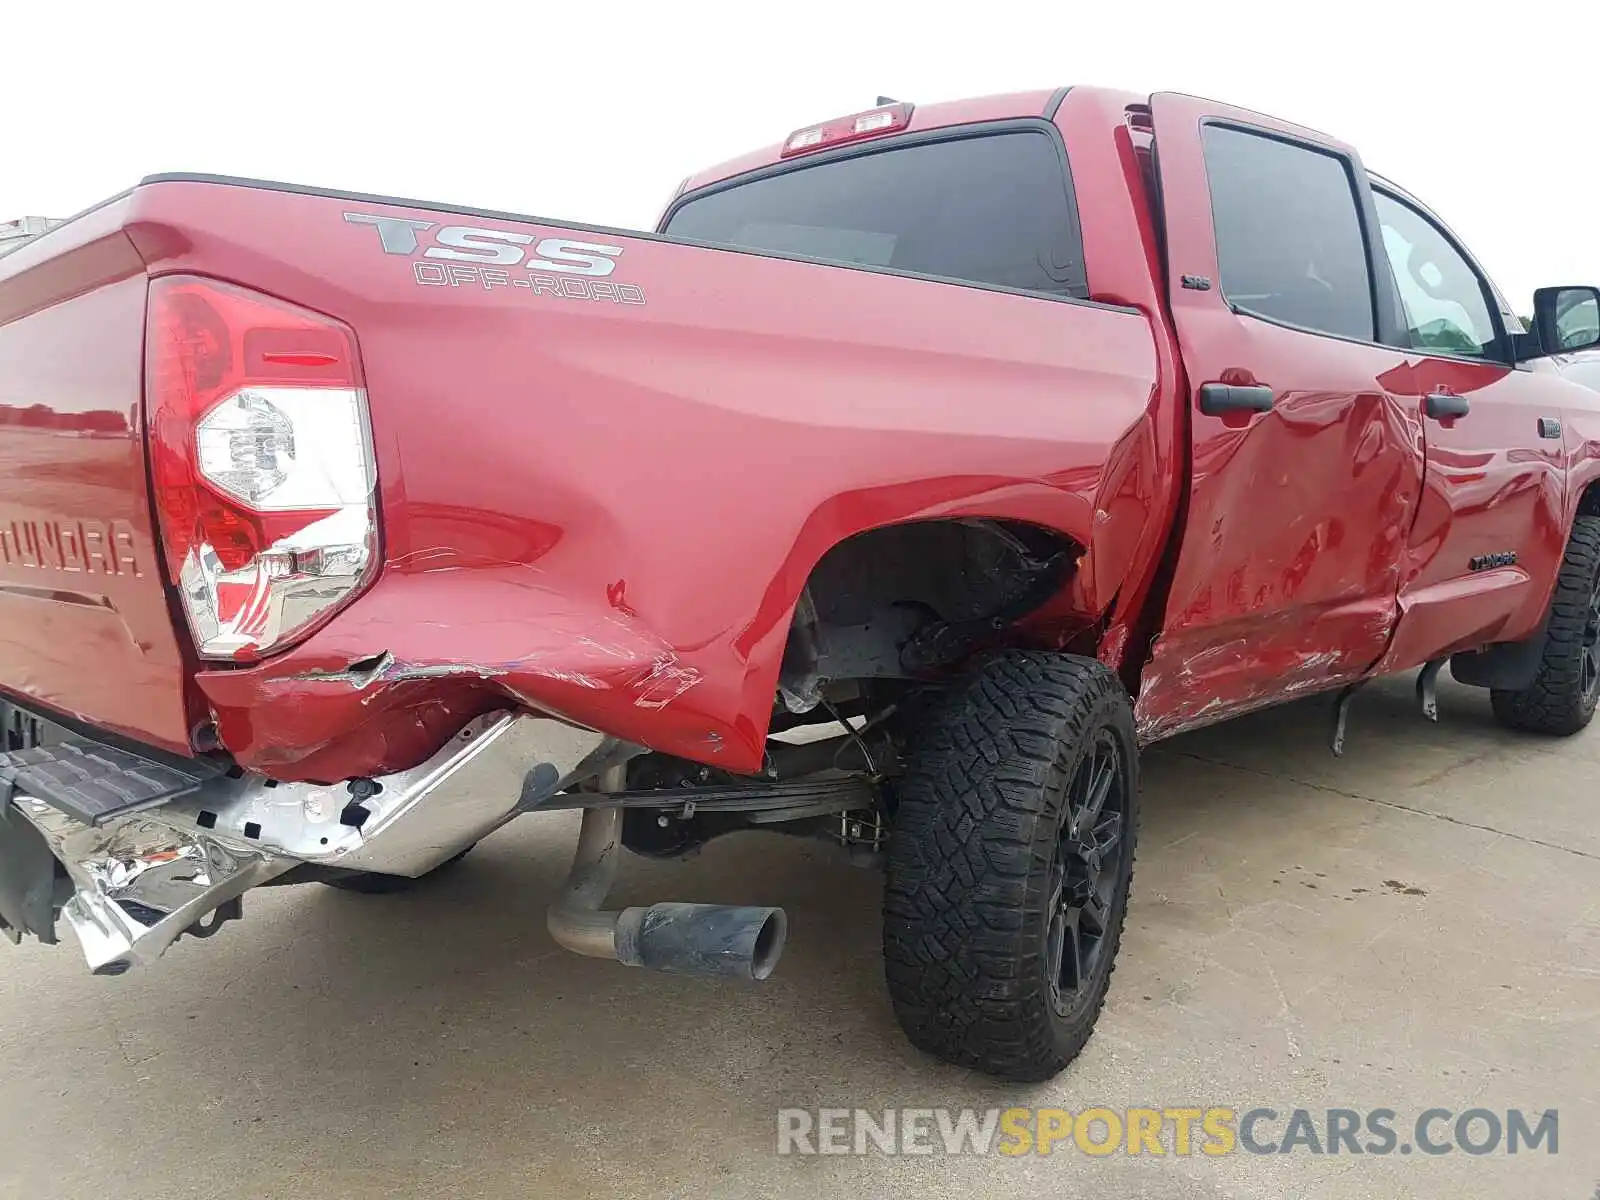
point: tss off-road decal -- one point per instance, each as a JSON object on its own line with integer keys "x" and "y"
{"x": 466, "y": 256}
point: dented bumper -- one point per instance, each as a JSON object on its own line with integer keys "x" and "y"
{"x": 135, "y": 886}
{"x": 139, "y": 880}
{"x": 391, "y": 678}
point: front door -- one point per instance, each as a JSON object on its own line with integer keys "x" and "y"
{"x": 1306, "y": 463}
{"x": 1489, "y": 532}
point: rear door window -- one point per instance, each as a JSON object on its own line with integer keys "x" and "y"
{"x": 1289, "y": 242}
{"x": 994, "y": 209}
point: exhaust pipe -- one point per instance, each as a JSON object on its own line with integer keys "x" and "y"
{"x": 728, "y": 941}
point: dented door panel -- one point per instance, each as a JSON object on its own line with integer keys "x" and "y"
{"x": 1289, "y": 558}
{"x": 1291, "y": 554}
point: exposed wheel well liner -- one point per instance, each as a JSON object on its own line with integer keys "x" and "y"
{"x": 906, "y": 599}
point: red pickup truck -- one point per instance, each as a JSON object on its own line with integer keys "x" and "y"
{"x": 913, "y": 475}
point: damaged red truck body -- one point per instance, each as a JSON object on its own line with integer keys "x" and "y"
{"x": 979, "y": 432}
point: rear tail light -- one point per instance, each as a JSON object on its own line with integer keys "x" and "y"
{"x": 890, "y": 118}
{"x": 262, "y": 461}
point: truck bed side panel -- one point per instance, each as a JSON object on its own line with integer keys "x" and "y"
{"x": 606, "y": 503}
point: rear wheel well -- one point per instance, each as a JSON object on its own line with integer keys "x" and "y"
{"x": 903, "y": 601}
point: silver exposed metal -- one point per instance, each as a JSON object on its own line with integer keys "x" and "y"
{"x": 400, "y": 835}
{"x": 141, "y": 881}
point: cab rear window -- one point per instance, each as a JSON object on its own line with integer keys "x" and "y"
{"x": 992, "y": 209}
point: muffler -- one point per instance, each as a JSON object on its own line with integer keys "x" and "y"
{"x": 730, "y": 941}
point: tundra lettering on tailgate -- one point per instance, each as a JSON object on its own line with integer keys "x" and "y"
{"x": 94, "y": 547}
{"x": 467, "y": 256}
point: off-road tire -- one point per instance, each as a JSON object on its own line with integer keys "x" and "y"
{"x": 968, "y": 906}
{"x": 372, "y": 883}
{"x": 1561, "y": 699}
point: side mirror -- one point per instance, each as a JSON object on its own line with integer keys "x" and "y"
{"x": 1566, "y": 318}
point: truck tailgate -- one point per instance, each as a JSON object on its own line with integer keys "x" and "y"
{"x": 84, "y": 624}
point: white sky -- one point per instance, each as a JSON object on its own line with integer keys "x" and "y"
{"x": 594, "y": 112}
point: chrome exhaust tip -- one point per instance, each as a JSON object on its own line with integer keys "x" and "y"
{"x": 714, "y": 940}
{"x": 723, "y": 940}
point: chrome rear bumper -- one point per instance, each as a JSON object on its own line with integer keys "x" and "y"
{"x": 141, "y": 881}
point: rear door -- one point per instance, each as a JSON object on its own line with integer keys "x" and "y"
{"x": 1306, "y": 459}
{"x": 1489, "y": 532}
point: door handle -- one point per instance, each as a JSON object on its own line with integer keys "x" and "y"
{"x": 1444, "y": 405}
{"x": 1218, "y": 399}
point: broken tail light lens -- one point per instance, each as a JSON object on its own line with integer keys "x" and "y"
{"x": 262, "y": 463}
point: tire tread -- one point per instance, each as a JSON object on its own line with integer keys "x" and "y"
{"x": 974, "y": 828}
{"x": 1554, "y": 703}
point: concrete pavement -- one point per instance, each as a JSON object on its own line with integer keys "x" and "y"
{"x": 1414, "y": 925}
